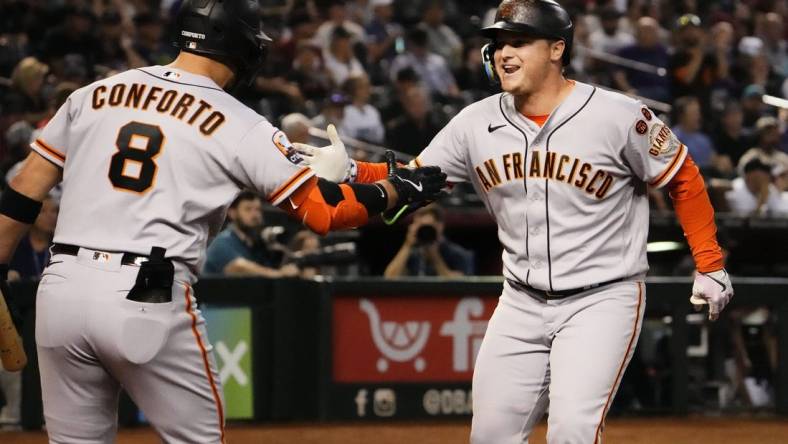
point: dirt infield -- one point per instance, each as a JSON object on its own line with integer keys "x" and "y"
{"x": 619, "y": 431}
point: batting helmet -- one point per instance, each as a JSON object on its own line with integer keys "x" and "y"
{"x": 229, "y": 31}
{"x": 537, "y": 18}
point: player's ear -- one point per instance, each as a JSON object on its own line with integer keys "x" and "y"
{"x": 557, "y": 48}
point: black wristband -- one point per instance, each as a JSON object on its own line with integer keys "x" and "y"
{"x": 3, "y": 272}
{"x": 19, "y": 207}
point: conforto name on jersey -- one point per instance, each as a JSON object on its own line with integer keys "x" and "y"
{"x": 178, "y": 104}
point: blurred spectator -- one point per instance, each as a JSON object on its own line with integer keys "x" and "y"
{"x": 729, "y": 137}
{"x": 339, "y": 58}
{"x": 24, "y": 100}
{"x": 74, "y": 36}
{"x": 14, "y": 41}
{"x": 426, "y": 252}
{"x": 337, "y": 15}
{"x": 688, "y": 130}
{"x": 471, "y": 77}
{"x": 301, "y": 30}
{"x": 441, "y": 39}
{"x": 239, "y": 249}
{"x": 752, "y": 107}
{"x": 431, "y": 68}
{"x": 609, "y": 38}
{"x": 768, "y": 145}
{"x": 302, "y": 244}
{"x": 17, "y": 141}
{"x": 413, "y": 131}
{"x": 753, "y": 194}
{"x": 148, "y": 43}
{"x": 333, "y": 112}
{"x": 362, "y": 120}
{"x": 309, "y": 77}
{"x": 693, "y": 70}
{"x": 296, "y": 127}
{"x": 382, "y": 33}
{"x": 392, "y": 108}
{"x": 776, "y": 47}
{"x": 649, "y": 50}
{"x": 116, "y": 50}
{"x": 28, "y": 262}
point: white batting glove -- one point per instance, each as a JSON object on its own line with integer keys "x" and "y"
{"x": 714, "y": 289}
{"x": 329, "y": 162}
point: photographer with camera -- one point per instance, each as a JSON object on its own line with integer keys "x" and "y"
{"x": 239, "y": 250}
{"x": 426, "y": 252}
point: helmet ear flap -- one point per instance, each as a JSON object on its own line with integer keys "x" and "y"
{"x": 488, "y": 62}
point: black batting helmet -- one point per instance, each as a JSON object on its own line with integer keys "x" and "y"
{"x": 538, "y": 18}
{"x": 229, "y": 31}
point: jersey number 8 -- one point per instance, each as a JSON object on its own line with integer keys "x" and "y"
{"x": 140, "y": 144}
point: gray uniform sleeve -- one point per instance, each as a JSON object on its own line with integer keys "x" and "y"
{"x": 448, "y": 150}
{"x": 54, "y": 141}
{"x": 266, "y": 161}
{"x": 653, "y": 152}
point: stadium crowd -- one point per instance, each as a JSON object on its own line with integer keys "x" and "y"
{"x": 393, "y": 72}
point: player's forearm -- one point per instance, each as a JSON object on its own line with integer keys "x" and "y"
{"x": 368, "y": 172}
{"x": 245, "y": 267}
{"x": 696, "y": 216}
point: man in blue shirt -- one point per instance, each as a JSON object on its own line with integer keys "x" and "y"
{"x": 239, "y": 249}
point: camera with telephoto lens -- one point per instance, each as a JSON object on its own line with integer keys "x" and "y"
{"x": 337, "y": 254}
{"x": 426, "y": 234}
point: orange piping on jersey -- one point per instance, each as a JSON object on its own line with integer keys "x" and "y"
{"x": 539, "y": 120}
{"x": 284, "y": 188}
{"x": 671, "y": 169}
{"x": 313, "y": 210}
{"x": 696, "y": 216}
{"x": 43, "y": 145}
{"x": 216, "y": 398}
{"x": 621, "y": 367}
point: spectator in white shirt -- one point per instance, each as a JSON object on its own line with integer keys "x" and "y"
{"x": 339, "y": 58}
{"x": 754, "y": 194}
{"x": 338, "y": 18}
{"x": 610, "y": 38}
{"x": 431, "y": 68}
{"x": 440, "y": 38}
{"x": 362, "y": 120}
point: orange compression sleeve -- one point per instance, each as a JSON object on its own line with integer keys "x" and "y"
{"x": 696, "y": 216}
{"x": 368, "y": 172}
{"x": 325, "y": 206}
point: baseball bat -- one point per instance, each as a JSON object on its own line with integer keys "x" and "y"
{"x": 12, "y": 354}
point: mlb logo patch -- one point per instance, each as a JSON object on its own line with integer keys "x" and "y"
{"x": 172, "y": 75}
{"x": 285, "y": 147}
{"x": 101, "y": 256}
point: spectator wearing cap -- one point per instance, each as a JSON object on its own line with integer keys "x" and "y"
{"x": 431, "y": 68}
{"x": 609, "y": 37}
{"x": 441, "y": 39}
{"x": 768, "y": 145}
{"x": 116, "y": 49}
{"x": 772, "y": 32}
{"x": 340, "y": 61}
{"x": 693, "y": 70}
{"x": 646, "y": 49}
{"x": 754, "y": 194}
{"x": 362, "y": 120}
{"x": 333, "y": 112}
{"x": 391, "y": 107}
{"x": 729, "y": 136}
{"x": 337, "y": 15}
{"x": 687, "y": 118}
{"x": 74, "y": 36}
{"x": 24, "y": 100}
{"x": 309, "y": 75}
{"x": 752, "y": 106}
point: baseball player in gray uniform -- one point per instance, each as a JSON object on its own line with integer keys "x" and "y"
{"x": 563, "y": 168}
{"x": 149, "y": 161}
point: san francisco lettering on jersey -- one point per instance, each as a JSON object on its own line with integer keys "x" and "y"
{"x": 178, "y": 104}
{"x": 546, "y": 165}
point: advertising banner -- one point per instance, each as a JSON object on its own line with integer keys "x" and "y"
{"x": 230, "y": 332}
{"x": 407, "y": 340}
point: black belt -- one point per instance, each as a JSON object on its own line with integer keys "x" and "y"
{"x": 560, "y": 294}
{"x": 73, "y": 250}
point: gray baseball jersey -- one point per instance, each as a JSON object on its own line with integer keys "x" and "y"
{"x": 146, "y": 159}
{"x": 569, "y": 197}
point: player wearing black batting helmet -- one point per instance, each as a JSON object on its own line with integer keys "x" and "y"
{"x": 229, "y": 31}
{"x": 535, "y": 18}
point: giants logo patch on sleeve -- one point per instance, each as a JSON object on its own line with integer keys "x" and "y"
{"x": 286, "y": 148}
{"x": 662, "y": 140}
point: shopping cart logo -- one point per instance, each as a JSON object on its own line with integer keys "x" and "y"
{"x": 396, "y": 341}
